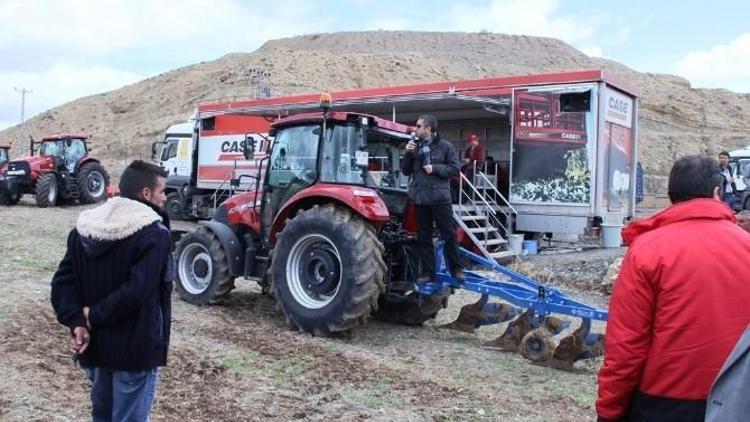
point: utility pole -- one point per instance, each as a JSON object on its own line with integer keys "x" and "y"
{"x": 258, "y": 83}
{"x": 23, "y": 92}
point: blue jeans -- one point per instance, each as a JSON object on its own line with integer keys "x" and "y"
{"x": 122, "y": 395}
{"x": 729, "y": 199}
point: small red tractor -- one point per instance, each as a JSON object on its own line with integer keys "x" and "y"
{"x": 61, "y": 172}
{"x": 329, "y": 231}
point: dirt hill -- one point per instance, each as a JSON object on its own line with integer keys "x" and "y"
{"x": 675, "y": 119}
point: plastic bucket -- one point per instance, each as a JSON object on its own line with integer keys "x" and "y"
{"x": 611, "y": 235}
{"x": 530, "y": 247}
{"x": 515, "y": 243}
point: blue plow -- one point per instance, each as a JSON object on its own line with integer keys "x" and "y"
{"x": 539, "y": 336}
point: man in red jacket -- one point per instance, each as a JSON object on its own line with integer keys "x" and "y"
{"x": 473, "y": 157}
{"x": 680, "y": 303}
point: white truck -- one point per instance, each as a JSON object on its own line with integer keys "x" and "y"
{"x": 202, "y": 157}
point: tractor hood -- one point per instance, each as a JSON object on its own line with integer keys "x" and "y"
{"x": 103, "y": 227}
{"x": 37, "y": 162}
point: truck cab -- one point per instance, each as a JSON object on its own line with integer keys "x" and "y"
{"x": 173, "y": 153}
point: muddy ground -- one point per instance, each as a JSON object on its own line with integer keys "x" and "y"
{"x": 240, "y": 362}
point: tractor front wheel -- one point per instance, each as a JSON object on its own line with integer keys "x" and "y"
{"x": 93, "y": 181}
{"x": 9, "y": 198}
{"x": 46, "y": 190}
{"x": 202, "y": 271}
{"x": 327, "y": 270}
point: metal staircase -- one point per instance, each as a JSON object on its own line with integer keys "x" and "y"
{"x": 485, "y": 215}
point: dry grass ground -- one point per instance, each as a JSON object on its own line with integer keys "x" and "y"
{"x": 239, "y": 361}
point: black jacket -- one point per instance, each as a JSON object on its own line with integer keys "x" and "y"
{"x": 118, "y": 263}
{"x": 724, "y": 184}
{"x": 431, "y": 189}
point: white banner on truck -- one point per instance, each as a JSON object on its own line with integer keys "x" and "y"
{"x": 619, "y": 108}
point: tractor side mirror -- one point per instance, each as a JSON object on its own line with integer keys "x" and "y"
{"x": 249, "y": 150}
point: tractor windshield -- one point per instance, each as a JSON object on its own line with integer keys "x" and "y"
{"x": 51, "y": 148}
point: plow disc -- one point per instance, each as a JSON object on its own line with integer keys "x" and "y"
{"x": 560, "y": 350}
{"x": 540, "y": 337}
{"x": 517, "y": 330}
{"x": 482, "y": 312}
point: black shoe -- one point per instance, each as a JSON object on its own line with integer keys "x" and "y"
{"x": 425, "y": 279}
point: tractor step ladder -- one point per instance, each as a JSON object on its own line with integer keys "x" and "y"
{"x": 485, "y": 216}
{"x": 73, "y": 188}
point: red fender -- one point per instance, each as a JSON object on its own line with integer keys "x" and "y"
{"x": 364, "y": 201}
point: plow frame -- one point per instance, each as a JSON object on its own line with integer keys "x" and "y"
{"x": 520, "y": 291}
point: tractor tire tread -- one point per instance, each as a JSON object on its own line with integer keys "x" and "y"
{"x": 365, "y": 283}
{"x": 224, "y": 282}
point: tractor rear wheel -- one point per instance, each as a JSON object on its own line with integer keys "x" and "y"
{"x": 203, "y": 276}
{"x": 174, "y": 207}
{"x": 327, "y": 270}
{"x": 46, "y": 190}
{"x": 93, "y": 181}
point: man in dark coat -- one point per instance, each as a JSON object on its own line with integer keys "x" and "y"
{"x": 431, "y": 162}
{"x": 112, "y": 290}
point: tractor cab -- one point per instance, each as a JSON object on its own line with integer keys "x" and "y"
{"x": 355, "y": 149}
{"x": 346, "y": 156}
{"x": 66, "y": 150}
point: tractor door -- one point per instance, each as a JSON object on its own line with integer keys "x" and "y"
{"x": 75, "y": 150}
{"x": 291, "y": 168}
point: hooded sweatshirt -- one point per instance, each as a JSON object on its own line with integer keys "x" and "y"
{"x": 118, "y": 264}
{"x": 680, "y": 302}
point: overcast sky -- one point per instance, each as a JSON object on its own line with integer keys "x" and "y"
{"x": 66, "y": 49}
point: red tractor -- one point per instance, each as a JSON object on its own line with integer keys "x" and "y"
{"x": 61, "y": 172}
{"x": 327, "y": 228}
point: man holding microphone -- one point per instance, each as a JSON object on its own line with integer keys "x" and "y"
{"x": 431, "y": 162}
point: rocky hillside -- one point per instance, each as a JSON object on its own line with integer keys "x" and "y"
{"x": 675, "y": 119}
